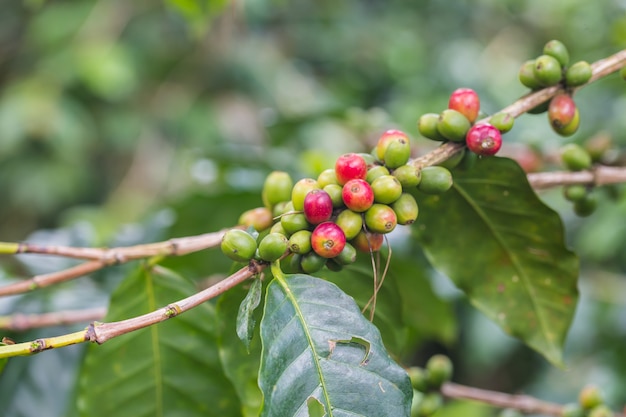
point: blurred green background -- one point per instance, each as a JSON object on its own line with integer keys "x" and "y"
{"x": 127, "y": 122}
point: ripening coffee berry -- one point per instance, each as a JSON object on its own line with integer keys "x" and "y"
{"x": 578, "y": 74}
{"x": 259, "y": 218}
{"x": 380, "y": 218}
{"x": 558, "y": 50}
{"x": 357, "y": 195}
{"x": 335, "y": 192}
{"x": 527, "y": 75}
{"x": 574, "y": 192}
{"x": 427, "y": 126}
{"x": 347, "y": 256}
{"x": 575, "y": 157}
{"x": 327, "y": 177}
{"x": 397, "y": 153}
{"x": 561, "y": 111}
{"x": 238, "y": 245}
{"x": 406, "y": 209}
{"x": 590, "y": 397}
{"x": 350, "y": 166}
{"x": 439, "y": 369}
{"x": 408, "y": 175}
{"x": 586, "y": 206}
{"x": 484, "y": 139}
{"x": 367, "y": 241}
{"x": 300, "y": 242}
{"x": 312, "y": 262}
{"x": 300, "y": 190}
{"x": 272, "y": 247}
{"x": 547, "y": 70}
{"x": 328, "y": 240}
{"x": 276, "y": 188}
{"x": 389, "y": 136}
{"x": 418, "y": 378}
{"x": 465, "y": 101}
{"x": 376, "y": 172}
{"x": 435, "y": 180}
{"x": 350, "y": 222}
{"x": 572, "y": 127}
{"x": 387, "y": 189}
{"x": 502, "y": 121}
{"x": 453, "y": 125}
{"x": 318, "y": 206}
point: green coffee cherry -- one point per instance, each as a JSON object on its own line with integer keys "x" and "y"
{"x": 502, "y": 121}
{"x": 586, "y": 206}
{"x": 238, "y": 245}
{"x": 282, "y": 208}
{"x": 300, "y": 242}
{"x": 293, "y": 222}
{"x": 574, "y": 192}
{"x": 376, "y": 172}
{"x": 347, "y": 255}
{"x": 387, "y": 189}
{"x": 589, "y": 397}
{"x": 427, "y": 126}
{"x": 527, "y": 75}
{"x": 575, "y": 157}
{"x": 601, "y": 411}
{"x": 435, "y": 180}
{"x": 468, "y": 161}
{"x": 335, "y": 193}
{"x": 369, "y": 158}
{"x": 572, "y": 410}
{"x": 350, "y": 222}
{"x": 312, "y": 262}
{"x": 419, "y": 378}
{"x": 277, "y": 188}
{"x": 547, "y": 70}
{"x": 300, "y": 190}
{"x": 540, "y": 108}
{"x": 453, "y": 125}
{"x": 406, "y": 209}
{"x": 397, "y": 153}
{"x": 326, "y": 177}
{"x": 578, "y": 74}
{"x": 439, "y": 369}
{"x": 272, "y": 247}
{"x": 557, "y": 50}
{"x": 454, "y": 160}
{"x": 429, "y": 405}
{"x": 380, "y": 218}
{"x": 278, "y": 228}
{"x": 408, "y": 176}
{"x": 290, "y": 264}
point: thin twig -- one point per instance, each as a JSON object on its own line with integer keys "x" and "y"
{"x": 600, "y": 175}
{"x": 21, "y": 322}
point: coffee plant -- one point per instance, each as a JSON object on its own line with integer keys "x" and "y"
{"x": 318, "y": 295}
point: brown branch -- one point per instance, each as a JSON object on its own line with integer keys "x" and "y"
{"x": 600, "y": 175}
{"x": 21, "y": 322}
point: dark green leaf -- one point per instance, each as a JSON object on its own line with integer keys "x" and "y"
{"x": 316, "y": 343}
{"x": 505, "y": 249}
{"x": 169, "y": 369}
{"x": 245, "y": 317}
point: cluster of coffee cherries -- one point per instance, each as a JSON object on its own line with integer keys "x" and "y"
{"x": 314, "y": 223}
{"x": 577, "y": 158}
{"x": 458, "y": 123}
{"x": 550, "y": 69}
{"x": 590, "y": 404}
{"x": 427, "y": 383}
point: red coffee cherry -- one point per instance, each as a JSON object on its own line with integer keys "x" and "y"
{"x": 465, "y": 101}
{"x": 318, "y": 206}
{"x": 358, "y": 195}
{"x": 561, "y": 111}
{"x": 350, "y": 166}
{"x": 484, "y": 139}
{"x": 328, "y": 240}
{"x": 366, "y": 241}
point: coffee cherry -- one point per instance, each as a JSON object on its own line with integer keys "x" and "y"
{"x": 318, "y": 206}
{"x": 389, "y": 136}
{"x": 300, "y": 190}
{"x": 350, "y": 166}
{"x": 418, "y": 378}
{"x": 347, "y": 256}
{"x": 238, "y": 245}
{"x": 598, "y": 145}
{"x": 558, "y": 50}
{"x": 328, "y": 240}
{"x": 547, "y": 70}
{"x": 561, "y": 111}
{"x": 502, "y": 121}
{"x": 466, "y": 102}
{"x": 574, "y": 192}
{"x": 387, "y": 189}
{"x": 312, "y": 262}
{"x": 586, "y": 206}
{"x": 484, "y": 139}
{"x": 335, "y": 192}
{"x": 367, "y": 241}
{"x": 540, "y": 108}
{"x": 572, "y": 410}
{"x": 454, "y": 160}
{"x": 293, "y": 222}
{"x": 397, "y": 153}
{"x": 527, "y": 75}
{"x": 370, "y": 159}
{"x": 428, "y": 405}
{"x": 601, "y": 411}
{"x": 276, "y": 188}
{"x": 259, "y": 218}
{"x": 406, "y": 209}
{"x": 575, "y": 157}
{"x": 435, "y": 180}
{"x": 439, "y": 369}
{"x": 290, "y": 264}
{"x": 453, "y": 125}
{"x": 282, "y": 208}
{"x": 300, "y": 242}
{"x": 590, "y": 397}
{"x": 408, "y": 175}
{"x": 278, "y": 228}
{"x": 376, "y": 172}
{"x": 358, "y": 195}
{"x": 572, "y": 127}
{"x": 578, "y": 74}
{"x": 427, "y": 126}
{"x": 272, "y": 247}
{"x": 326, "y": 177}
{"x": 380, "y": 218}
{"x": 350, "y": 223}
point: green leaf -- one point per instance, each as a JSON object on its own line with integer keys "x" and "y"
{"x": 245, "y": 316}
{"x": 315, "y": 407}
{"x": 168, "y": 369}
{"x": 316, "y": 343}
{"x": 505, "y": 249}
